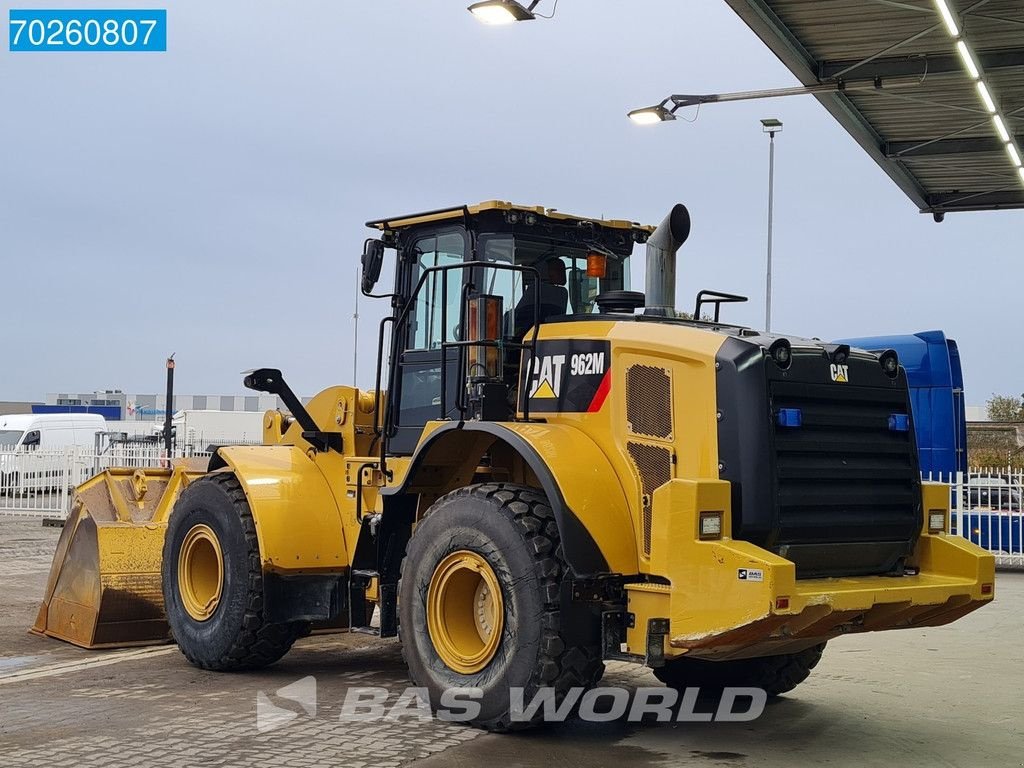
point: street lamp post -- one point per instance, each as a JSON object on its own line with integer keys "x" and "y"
{"x": 355, "y": 331}
{"x": 771, "y": 126}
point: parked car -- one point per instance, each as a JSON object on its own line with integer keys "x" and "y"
{"x": 992, "y": 513}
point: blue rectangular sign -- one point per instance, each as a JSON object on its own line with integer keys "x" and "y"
{"x": 87, "y": 30}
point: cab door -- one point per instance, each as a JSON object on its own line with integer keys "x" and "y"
{"x": 432, "y": 319}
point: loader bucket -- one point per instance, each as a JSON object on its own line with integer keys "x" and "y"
{"x": 104, "y": 587}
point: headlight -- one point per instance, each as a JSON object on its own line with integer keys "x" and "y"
{"x": 711, "y": 525}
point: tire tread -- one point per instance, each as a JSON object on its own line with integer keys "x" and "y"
{"x": 775, "y": 674}
{"x": 261, "y": 642}
{"x": 559, "y": 665}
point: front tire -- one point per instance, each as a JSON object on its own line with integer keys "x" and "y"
{"x": 775, "y": 674}
{"x": 479, "y": 603}
{"x": 213, "y": 580}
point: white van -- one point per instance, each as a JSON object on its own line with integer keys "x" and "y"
{"x": 49, "y": 430}
{"x": 26, "y": 466}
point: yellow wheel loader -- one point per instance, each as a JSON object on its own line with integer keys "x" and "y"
{"x": 552, "y": 471}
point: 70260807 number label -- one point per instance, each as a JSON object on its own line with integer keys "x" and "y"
{"x": 87, "y": 30}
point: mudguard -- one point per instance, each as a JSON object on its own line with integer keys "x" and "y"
{"x": 298, "y": 520}
{"x": 584, "y": 492}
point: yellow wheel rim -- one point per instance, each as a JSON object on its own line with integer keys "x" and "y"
{"x": 465, "y": 612}
{"x": 200, "y": 572}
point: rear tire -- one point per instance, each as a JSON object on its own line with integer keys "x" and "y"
{"x": 509, "y": 533}
{"x": 775, "y": 674}
{"x": 218, "y": 621}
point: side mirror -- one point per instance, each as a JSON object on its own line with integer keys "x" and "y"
{"x": 31, "y": 439}
{"x": 373, "y": 258}
{"x": 263, "y": 380}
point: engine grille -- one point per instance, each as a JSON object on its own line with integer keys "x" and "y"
{"x": 649, "y": 401}
{"x": 654, "y": 465}
{"x": 844, "y": 478}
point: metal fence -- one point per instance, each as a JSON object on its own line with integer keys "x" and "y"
{"x": 987, "y": 505}
{"x": 40, "y": 483}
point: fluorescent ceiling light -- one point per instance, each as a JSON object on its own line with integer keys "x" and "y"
{"x": 650, "y": 115}
{"x": 948, "y": 18}
{"x": 1021, "y": 172}
{"x": 968, "y": 60}
{"x": 986, "y": 97}
{"x": 1014, "y": 154}
{"x": 1001, "y": 128}
{"x": 500, "y": 12}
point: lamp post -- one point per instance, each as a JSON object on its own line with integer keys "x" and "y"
{"x": 771, "y": 126}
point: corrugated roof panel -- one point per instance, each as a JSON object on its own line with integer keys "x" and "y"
{"x": 981, "y": 172}
{"x": 934, "y": 138}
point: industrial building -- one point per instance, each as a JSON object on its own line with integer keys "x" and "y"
{"x": 117, "y": 405}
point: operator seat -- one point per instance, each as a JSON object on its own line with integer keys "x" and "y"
{"x": 554, "y": 297}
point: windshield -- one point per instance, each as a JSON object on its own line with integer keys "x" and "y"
{"x": 10, "y": 437}
{"x": 564, "y": 288}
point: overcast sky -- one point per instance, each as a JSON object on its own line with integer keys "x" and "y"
{"x": 209, "y": 201}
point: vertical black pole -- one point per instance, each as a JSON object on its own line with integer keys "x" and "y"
{"x": 169, "y": 407}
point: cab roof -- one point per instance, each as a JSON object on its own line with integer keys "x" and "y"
{"x": 464, "y": 211}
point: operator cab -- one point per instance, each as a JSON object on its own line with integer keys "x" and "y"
{"x": 471, "y": 286}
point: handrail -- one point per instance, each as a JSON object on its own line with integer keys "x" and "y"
{"x": 386, "y": 431}
{"x": 718, "y": 299}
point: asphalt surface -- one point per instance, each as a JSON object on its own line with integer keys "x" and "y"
{"x": 948, "y": 696}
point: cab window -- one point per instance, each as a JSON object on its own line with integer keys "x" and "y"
{"x": 564, "y": 288}
{"x": 426, "y": 318}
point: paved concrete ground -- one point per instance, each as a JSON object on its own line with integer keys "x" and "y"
{"x": 942, "y": 697}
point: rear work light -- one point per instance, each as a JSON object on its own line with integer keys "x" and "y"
{"x": 936, "y": 521}
{"x": 781, "y": 352}
{"x": 890, "y": 363}
{"x": 789, "y": 417}
{"x": 899, "y": 422}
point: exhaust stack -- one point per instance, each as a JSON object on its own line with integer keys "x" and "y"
{"x": 661, "y": 261}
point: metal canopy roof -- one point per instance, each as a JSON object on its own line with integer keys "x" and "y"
{"x": 933, "y": 136}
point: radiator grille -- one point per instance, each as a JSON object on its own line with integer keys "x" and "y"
{"x": 654, "y": 465}
{"x": 649, "y": 401}
{"x": 844, "y": 475}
